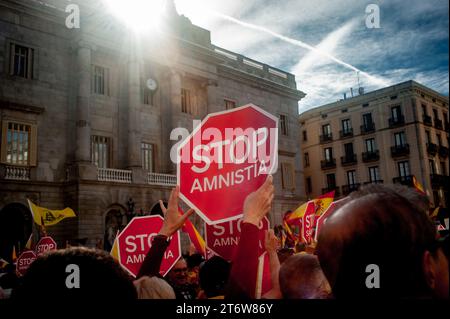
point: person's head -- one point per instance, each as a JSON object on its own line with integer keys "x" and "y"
{"x": 302, "y": 278}
{"x": 193, "y": 264}
{"x": 76, "y": 273}
{"x": 284, "y": 253}
{"x": 177, "y": 276}
{"x": 214, "y": 276}
{"x": 153, "y": 288}
{"x": 383, "y": 234}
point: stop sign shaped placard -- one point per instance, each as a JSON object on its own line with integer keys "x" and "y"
{"x": 45, "y": 244}
{"x": 228, "y": 156}
{"x": 135, "y": 241}
{"x": 222, "y": 239}
{"x": 24, "y": 261}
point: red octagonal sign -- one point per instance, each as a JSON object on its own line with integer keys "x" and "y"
{"x": 223, "y": 239}
{"x": 45, "y": 244}
{"x": 135, "y": 241}
{"x": 227, "y": 156}
{"x": 24, "y": 261}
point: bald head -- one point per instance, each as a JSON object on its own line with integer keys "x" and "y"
{"x": 302, "y": 278}
{"x": 384, "y": 229}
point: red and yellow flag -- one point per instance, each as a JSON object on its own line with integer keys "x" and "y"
{"x": 322, "y": 202}
{"x": 194, "y": 236}
{"x": 417, "y": 185}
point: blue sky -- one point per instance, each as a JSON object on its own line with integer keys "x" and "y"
{"x": 412, "y": 42}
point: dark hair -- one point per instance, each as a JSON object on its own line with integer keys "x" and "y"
{"x": 194, "y": 260}
{"x": 302, "y": 278}
{"x": 388, "y": 228}
{"x": 100, "y": 276}
{"x": 284, "y": 253}
{"x": 214, "y": 275}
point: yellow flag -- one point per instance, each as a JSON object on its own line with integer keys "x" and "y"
{"x": 29, "y": 242}
{"x": 115, "y": 249}
{"x": 435, "y": 212}
{"x": 47, "y": 216}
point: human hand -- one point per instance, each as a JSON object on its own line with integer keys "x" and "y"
{"x": 172, "y": 218}
{"x": 271, "y": 242}
{"x": 259, "y": 203}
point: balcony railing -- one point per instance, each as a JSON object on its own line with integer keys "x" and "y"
{"x": 346, "y": 133}
{"x": 400, "y": 150}
{"x": 378, "y": 181}
{"x": 17, "y": 173}
{"x": 443, "y": 151}
{"x": 161, "y": 179}
{"x": 350, "y": 159}
{"x": 427, "y": 120}
{"x": 432, "y": 149}
{"x": 114, "y": 175}
{"x": 371, "y": 156}
{"x": 347, "y": 189}
{"x": 336, "y": 190}
{"x": 438, "y": 124}
{"x": 368, "y": 128}
{"x": 397, "y": 121}
{"x": 404, "y": 180}
{"x": 325, "y": 138}
{"x": 327, "y": 164}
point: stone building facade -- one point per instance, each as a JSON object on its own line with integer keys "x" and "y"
{"x": 385, "y": 136}
{"x": 86, "y": 114}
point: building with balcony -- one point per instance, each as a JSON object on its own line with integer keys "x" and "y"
{"x": 402, "y": 132}
{"x": 86, "y": 115}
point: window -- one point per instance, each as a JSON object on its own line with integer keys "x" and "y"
{"x": 18, "y": 145}
{"x": 351, "y": 177}
{"x": 186, "y": 106}
{"x": 284, "y": 125}
{"x": 147, "y": 153}
{"x": 400, "y": 139}
{"x": 396, "y": 113}
{"x": 328, "y": 152}
{"x": 287, "y": 171}
{"x": 432, "y": 166}
{"x": 424, "y": 109}
{"x": 22, "y": 59}
{"x": 439, "y": 139}
{"x": 100, "y": 153}
{"x": 229, "y": 104}
{"x": 443, "y": 169}
{"x": 346, "y": 126}
{"x": 306, "y": 160}
{"x": 147, "y": 94}
{"x": 326, "y": 129}
{"x": 403, "y": 169}
{"x": 374, "y": 174}
{"x": 348, "y": 148}
{"x": 428, "y": 136}
{"x": 308, "y": 185}
{"x": 331, "y": 181}
{"x": 436, "y": 115}
{"x": 100, "y": 80}
{"x": 305, "y": 136}
{"x": 367, "y": 120}
{"x": 370, "y": 145}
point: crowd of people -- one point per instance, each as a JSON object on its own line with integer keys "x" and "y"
{"x": 383, "y": 225}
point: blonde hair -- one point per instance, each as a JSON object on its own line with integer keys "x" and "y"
{"x": 153, "y": 288}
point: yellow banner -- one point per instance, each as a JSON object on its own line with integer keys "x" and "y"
{"x": 47, "y": 217}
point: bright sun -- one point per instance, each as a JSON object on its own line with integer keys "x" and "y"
{"x": 140, "y": 15}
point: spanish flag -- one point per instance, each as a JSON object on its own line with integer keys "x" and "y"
{"x": 435, "y": 212}
{"x": 322, "y": 202}
{"x": 417, "y": 185}
{"x": 46, "y": 217}
{"x": 29, "y": 243}
{"x": 3, "y": 263}
{"x": 14, "y": 255}
{"x": 194, "y": 236}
